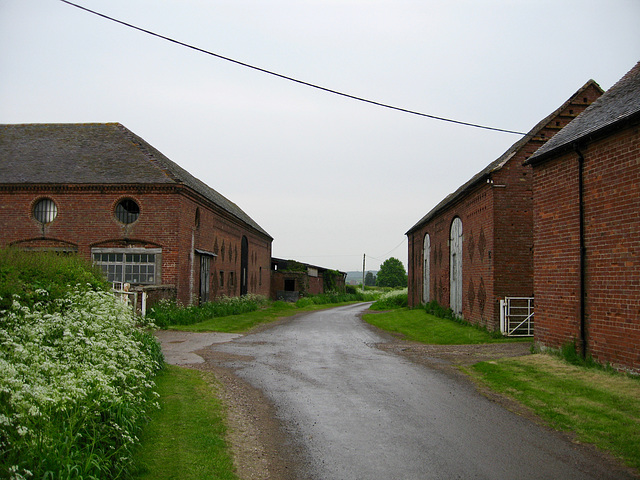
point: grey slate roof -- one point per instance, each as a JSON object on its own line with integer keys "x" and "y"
{"x": 497, "y": 164}
{"x": 618, "y": 105}
{"x": 94, "y": 154}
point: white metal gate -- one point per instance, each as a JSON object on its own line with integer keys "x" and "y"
{"x": 516, "y": 316}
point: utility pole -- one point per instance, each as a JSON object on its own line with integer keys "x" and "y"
{"x": 364, "y": 256}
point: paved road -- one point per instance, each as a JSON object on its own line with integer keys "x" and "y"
{"x": 357, "y": 412}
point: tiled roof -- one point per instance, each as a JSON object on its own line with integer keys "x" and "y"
{"x": 94, "y": 154}
{"x": 618, "y": 105}
{"x": 497, "y": 164}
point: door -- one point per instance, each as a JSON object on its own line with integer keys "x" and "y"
{"x": 244, "y": 266}
{"x": 426, "y": 272}
{"x": 455, "y": 266}
{"x": 204, "y": 278}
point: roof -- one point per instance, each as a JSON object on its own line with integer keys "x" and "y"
{"x": 500, "y": 162}
{"x": 617, "y": 106}
{"x": 95, "y": 154}
{"x": 283, "y": 264}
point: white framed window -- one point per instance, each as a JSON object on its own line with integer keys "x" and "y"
{"x": 138, "y": 266}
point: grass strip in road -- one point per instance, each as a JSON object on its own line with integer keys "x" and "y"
{"x": 600, "y": 407}
{"x": 244, "y": 322}
{"x": 419, "y": 326}
{"x": 185, "y": 439}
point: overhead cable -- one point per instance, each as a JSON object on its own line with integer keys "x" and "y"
{"x": 285, "y": 77}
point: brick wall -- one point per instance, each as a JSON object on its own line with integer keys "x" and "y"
{"x": 612, "y": 243}
{"x": 497, "y": 222}
{"x": 475, "y": 212}
{"x": 167, "y": 220}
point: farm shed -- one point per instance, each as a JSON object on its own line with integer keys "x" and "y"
{"x": 291, "y": 279}
{"x": 586, "y": 205}
{"x": 475, "y": 247}
{"x": 102, "y": 192}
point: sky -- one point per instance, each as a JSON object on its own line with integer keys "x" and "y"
{"x": 329, "y": 178}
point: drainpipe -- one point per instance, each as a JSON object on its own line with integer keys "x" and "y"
{"x": 583, "y": 293}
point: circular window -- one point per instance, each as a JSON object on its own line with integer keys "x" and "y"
{"x": 45, "y": 210}
{"x": 127, "y": 211}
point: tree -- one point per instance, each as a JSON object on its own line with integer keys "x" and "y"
{"x": 392, "y": 274}
{"x": 370, "y": 279}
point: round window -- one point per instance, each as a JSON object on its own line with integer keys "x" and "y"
{"x": 127, "y": 211}
{"x": 45, "y": 211}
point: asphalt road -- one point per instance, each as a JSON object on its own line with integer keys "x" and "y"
{"x": 356, "y": 412}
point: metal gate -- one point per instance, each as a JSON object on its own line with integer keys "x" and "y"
{"x": 516, "y": 316}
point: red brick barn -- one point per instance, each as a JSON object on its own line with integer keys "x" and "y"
{"x": 475, "y": 247}
{"x": 291, "y": 280}
{"x": 586, "y": 186}
{"x": 102, "y": 192}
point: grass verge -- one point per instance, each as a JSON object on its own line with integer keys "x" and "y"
{"x": 246, "y": 321}
{"x": 601, "y": 408}
{"x": 422, "y": 327}
{"x": 185, "y": 439}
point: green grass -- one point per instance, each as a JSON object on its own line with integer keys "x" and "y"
{"x": 422, "y": 327}
{"x": 600, "y": 407}
{"x": 185, "y": 439}
{"x": 246, "y": 321}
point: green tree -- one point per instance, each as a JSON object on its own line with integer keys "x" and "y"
{"x": 392, "y": 274}
{"x": 370, "y": 279}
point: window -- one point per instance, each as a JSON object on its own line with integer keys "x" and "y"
{"x": 45, "y": 211}
{"x": 221, "y": 279}
{"x": 127, "y": 211}
{"x": 129, "y": 265}
{"x": 231, "y": 279}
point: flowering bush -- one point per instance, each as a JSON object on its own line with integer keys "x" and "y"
{"x": 392, "y": 299}
{"x": 166, "y": 312}
{"x": 75, "y": 385}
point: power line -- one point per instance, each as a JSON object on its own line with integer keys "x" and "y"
{"x": 285, "y": 77}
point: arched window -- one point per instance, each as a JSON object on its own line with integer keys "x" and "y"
{"x": 455, "y": 266}
{"x": 426, "y": 269}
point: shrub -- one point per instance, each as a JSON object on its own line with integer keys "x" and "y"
{"x": 44, "y": 276}
{"x": 75, "y": 385}
{"x": 330, "y": 298}
{"x": 392, "y": 299}
{"x": 166, "y": 312}
{"x": 437, "y": 310}
{"x": 569, "y": 352}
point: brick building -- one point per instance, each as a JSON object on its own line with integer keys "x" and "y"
{"x": 475, "y": 247}
{"x": 290, "y": 279}
{"x": 586, "y": 185}
{"x": 102, "y": 192}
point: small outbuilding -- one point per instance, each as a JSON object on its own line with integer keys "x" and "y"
{"x": 586, "y": 205}
{"x": 291, "y": 280}
{"x": 474, "y": 248}
{"x": 100, "y": 191}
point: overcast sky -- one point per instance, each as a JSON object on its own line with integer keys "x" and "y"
{"x": 330, "y": 178}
